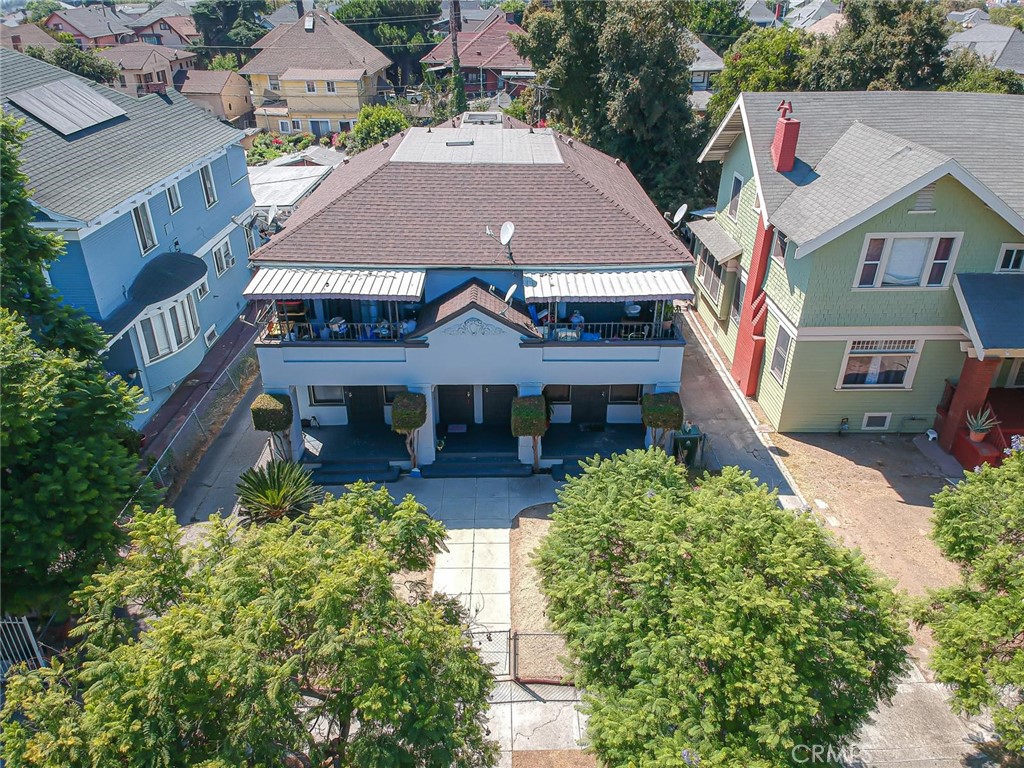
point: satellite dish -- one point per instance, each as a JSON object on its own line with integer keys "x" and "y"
{"x": 507, "y": 230}
{"x": 680, "y": 212}
{"x": 510, "y": 293}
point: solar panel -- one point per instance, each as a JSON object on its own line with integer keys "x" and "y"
{"x": 67, "y": 105}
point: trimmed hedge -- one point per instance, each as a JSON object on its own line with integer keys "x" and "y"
{"x": 662, "y": 411}
{"x": 408, "y": 412}
{"x": 529, "y": 416}
{"x": 272, "y": 413}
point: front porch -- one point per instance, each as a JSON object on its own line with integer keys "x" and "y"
{"x": 570, "y": 442}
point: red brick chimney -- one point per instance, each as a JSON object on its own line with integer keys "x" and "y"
{"x": 787, "y": 131}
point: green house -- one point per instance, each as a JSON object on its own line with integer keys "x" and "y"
{"x": 864, "y": 267}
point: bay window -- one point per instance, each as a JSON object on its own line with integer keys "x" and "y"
{"x": 879, "y": 364}
{"x": 907, "y": 260}
{"x": 709, "y": 273}
{"x": 170, "y": 329}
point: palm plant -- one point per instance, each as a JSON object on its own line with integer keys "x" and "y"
{"x": 278, "y": 489}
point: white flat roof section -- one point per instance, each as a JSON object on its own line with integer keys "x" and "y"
{"x": 652, "y": 284}
{"x": 299, "y": 283}
{"x": 479, "y": 145}
{"x": 284, "y": 185}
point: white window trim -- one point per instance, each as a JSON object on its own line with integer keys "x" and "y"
{"x": 908, "y": 380}
{"x": 273, "y": 83}
{"x": 213, "y": 186}
{"x": 206, "y": 336}
{"x": 774, "y": 244}
{"x": 728, "y": 208}
{"x": 203, "y": 289}
{"x": 712, "y": 261}
{"x": 296, "y": 125}
{"x": 313, "y": 82}
{"x": 781, "y": 377}
{"x": 1014, "y": 372}
{"x": 162, "y": 309}
{"x": 884, "y": 260}
{"x": 177, "y": 191}
{"x": 225, "y": 243}
{"x": 864, "y": 422}
{"x": 327, "y": 403}
{"x": 999, "y": 259}
{"x": 331, "y": 86}
{"x": 284, "y": 126}
{"x": 152, "y": 228}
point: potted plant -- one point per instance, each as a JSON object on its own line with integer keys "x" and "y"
{"x": 980, "y": 424}
{"x": 666, "y": 313}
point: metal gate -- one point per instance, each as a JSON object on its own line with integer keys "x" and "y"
{"x": 540, "y": 657}
{"x": 18, "y": 644}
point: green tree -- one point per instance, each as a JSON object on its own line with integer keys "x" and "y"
{"x": 719, "y": 23}
{"x": 253, "y": 639}
{"x": 402, "y": 28}
{"x": 708, "y": 625}
{"x": 761, "y": 60}
{"x": 226, "y": 24}
{"x": 967, "y": 71}
{"x": 83, "y": 63}
{"x": 1008, "y": 16}
{"x": 979, "y": 623}
{"x": 37, "y": 10}
{"x": 224, "y": 62}
{"x": 278, "y": 489}
{"x": 374, "y": 124}
{"x": 882, "y": 45}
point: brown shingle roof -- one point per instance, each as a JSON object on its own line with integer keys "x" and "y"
{"x": 490, "y": 48}
{"x": 331, "y": 45}
{"x": 203, "y": 81}
{"x": 473, "y": 294}
{"x": 586, "y": 210}
{"x": 25, "y": 35}
{"x": 135, "y": 55}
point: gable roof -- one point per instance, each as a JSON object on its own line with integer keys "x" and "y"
{"x": 330, "y": 45}
{"x": 419, "y": 199}
{"x": 706, "y": 60}
{"x": 203, "y": 80}
{"x": 29, "y": 34}
{"x": 160, "y": 11}
{"x": 960, "y": 127}
{"x": 758, "y": 12}
{"x": 968, "y": 17}
{"x": 95, "y": 21}
{"x": 473, "y": 294}
{"x": 135, "y": 55}
{"x": 286, "y": 14}
{"x": 808, "y": 14}
{"x": 1004, "y": 46}
{"x": 87, "y": 173}
{"x": 488, "y": 47}
{"x": 827, "y": 26}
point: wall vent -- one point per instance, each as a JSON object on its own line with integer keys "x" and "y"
{"x": 925, "y": 201}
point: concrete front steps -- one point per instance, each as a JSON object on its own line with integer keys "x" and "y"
{"x": 464, "y": 465}
{"x": 344, "y": 472}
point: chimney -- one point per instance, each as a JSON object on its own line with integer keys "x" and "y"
{"x": 299, "y": 7}
{"x": 787, "y": 131}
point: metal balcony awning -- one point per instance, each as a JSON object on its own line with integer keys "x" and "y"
{"x": 307, "y": 283}
{"x": 637, "y": 285}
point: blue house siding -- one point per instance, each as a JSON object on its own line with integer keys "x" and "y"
{"x": 70, "y": 276}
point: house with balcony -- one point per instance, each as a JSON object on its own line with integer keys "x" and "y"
{"x": 488, "y": 61}
{"x": 147, "y": 68}
{"x": 472, "y": 263}
{"x": 168, "y": 23}
{"x": 92, "y": 26}
{"x": 154, "y": 221}
{"x": 864, "y": 268}
{"x": 314, "y": 75}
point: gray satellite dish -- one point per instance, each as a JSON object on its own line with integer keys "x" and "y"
{"x": 507, "y": 230}
{"x": 680, "y": 212}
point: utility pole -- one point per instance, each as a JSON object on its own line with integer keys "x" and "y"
{"x": 458, "y": 100}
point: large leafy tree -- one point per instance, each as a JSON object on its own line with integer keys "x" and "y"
{"x": 717, "y": 22}
{"x": 709, "y": 626}
{"x": 761, "y": 60}
{"x": 374, "y": 124}
{"x": 967, "y": 71}
{"x": 882, "y": 45}
{"x": 277, "y": 640}
{"x": 83, "y": 63}
{"x": 37, "y": 10}
{"x": 1008, "y": 15}
{"x": 227, "y": 24}
{"x": 401, "y": 28}
{"x": 979, "y": 623}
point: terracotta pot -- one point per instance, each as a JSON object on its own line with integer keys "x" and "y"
{"x": 977, "y": 437}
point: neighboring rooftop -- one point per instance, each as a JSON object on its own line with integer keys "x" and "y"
{"x": 202, "y": 80}
{"x": 317, "y": 42}
{"x": 25, "y": 35}
{"x": 969, "y": 17}
{"x": 811, "y": 12}
{"x": 1003, "y": 46}
{"x": 160, "y": 11}
{"x": 759, "y": 13}
{"x": 489, "y": 48}
{"x": 88, "y": 172}
{"x": 991, "y": 308}
{"x": 283, "y": 186}
{"x": 418, "y": 200}
{"x": 135, "y": 55}
{"x": 312, "y": 155}
{"x": 706, "y": 60}
{"x": 828, "y": 26}
{"x": 96, "y": 20}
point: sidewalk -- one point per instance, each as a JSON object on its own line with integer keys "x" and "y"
{"x": 733, "y": 433}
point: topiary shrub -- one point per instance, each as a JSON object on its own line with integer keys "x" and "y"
{"x": 273, "y": 414}
{"x": 663, "y": 414}
{"x": 408, "y": 414}
{"x": 530, "y": 419}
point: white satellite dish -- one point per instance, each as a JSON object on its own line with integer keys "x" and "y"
{"x": 510, "y": 293}
{"x": 680, "y": 212}
{"x": 507, "y": 230}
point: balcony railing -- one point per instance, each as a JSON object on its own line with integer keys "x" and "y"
{"x": 289, "y": 331}
{"x": 613, "y": 332}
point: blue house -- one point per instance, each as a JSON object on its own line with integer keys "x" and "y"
{"x": 152, "y": 199}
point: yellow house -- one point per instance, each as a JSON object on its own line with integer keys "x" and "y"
{"x": 314, "y": 75}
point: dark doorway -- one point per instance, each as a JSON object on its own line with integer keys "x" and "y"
{"x": 455, "y": 403}
{"x": 498, "y": 403}
{"x": 589, "y": 404}
{"x": 365, "y": 405}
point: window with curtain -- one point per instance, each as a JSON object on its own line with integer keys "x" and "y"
{"x": 882, "y": 363}
{"x": 907, "y": 261}
{"x": 165, "y": 332}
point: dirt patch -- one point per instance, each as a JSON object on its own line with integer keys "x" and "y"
{"x": 414, "y": 584}
{"x": 553, "y": 758}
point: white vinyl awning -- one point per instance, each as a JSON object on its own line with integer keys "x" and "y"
{"x": 637, "y": 285}
{"x": 307, "y": 283}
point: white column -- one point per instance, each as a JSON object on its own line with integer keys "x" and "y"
{"x": 296, "y": 430}
{"x": 426, "y": 438}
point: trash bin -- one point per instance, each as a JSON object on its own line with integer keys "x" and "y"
{"x": 688, "y": 446}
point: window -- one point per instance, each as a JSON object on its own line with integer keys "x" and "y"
{"x": 174, "y": 198}
{"x": 209, "y": 190}
{"x": 327, "y": 395}
{"x": 285, "y": 126}
{"x": 121, "y": 81}
{"x": 275, "y": 83}
{"x": 779, "y": 247}
{"x": 780, "y": 354}
{"x": 390, "y": 392}
{"x": 310, "y": 86}
{"x": 1012, "y": 258}
{"x": 330, "y": 86}
{"x": 211, "y": 336}
{"x": 697, "y": 77}
{"x": 296, "y": 125}
{"x": 147, "y": 77}
{"x": 1016, "y": 378}
{"x": 734, "y": 197}
{"x": 320, "y": 127}
{"x": 624, "y": 394}
{"x": 161, "y": 76}
{"x": 169, "y": 330}
{"x": 558, "y": 393}
{"x": 223, "y": 260}
{"x": 737, "y": 299}
{"x": 163, "y": 25}
{"x": 345, "y": 125}
{"x": 879, "y": 363}
{"x": 59, "y": 27}
{"x": 873, "y": 421}
{"x": 709, "y": 272}
{"x": 144, "y": 228}
{"x": 203, "y": 290}
{"x": 907, "y": 261}
{"x": 250, "y": 240}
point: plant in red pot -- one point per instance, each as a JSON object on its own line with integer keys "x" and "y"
{"x": 980, "y": 424}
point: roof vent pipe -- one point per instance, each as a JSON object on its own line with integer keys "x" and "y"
{"x": 787, "y": 131}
